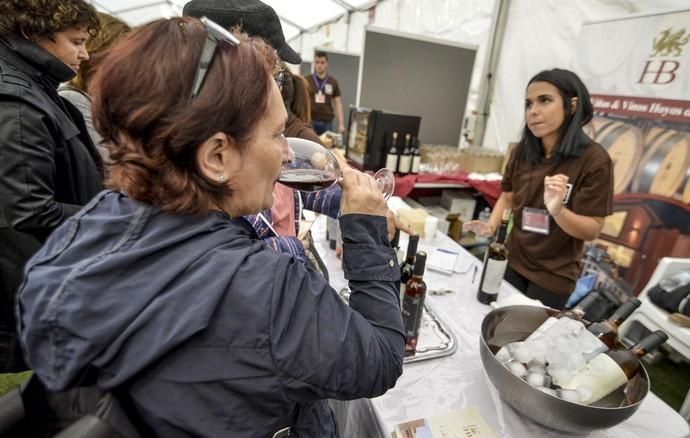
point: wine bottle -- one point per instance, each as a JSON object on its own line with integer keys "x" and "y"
{"x": 607, "y": 330}
{"x": 332, "y": 225}
{"x": 413, "y": 304}
{"x": 405, "y": 163}
{"x": 416, "y": 156}
{"x": 338, "y": 240}
{"x": 612, "y": 369}
{"x": 393, "y": 154}
{"x": 407, "y": 267}
{"x": 495, "y": 263}
{"x": 395, "y": 243}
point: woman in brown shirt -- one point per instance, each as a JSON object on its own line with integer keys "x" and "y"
{"x": 559, "y": 184}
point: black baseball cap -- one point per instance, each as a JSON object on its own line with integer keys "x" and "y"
{"x": 255, "y": 18}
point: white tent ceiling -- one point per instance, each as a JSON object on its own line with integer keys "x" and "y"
{"x": 295, "y": 15}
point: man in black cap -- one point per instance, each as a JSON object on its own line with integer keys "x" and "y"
{"x": 255, "y": 18}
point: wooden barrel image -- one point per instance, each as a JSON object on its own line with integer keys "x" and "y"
{"x": 685, "y": 195}
{"x": 595, "y": 125}
{"x": 664, "y": 169}
{"x": 624, "y": 143}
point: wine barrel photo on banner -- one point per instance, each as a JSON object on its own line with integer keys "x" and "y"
{"x": 685, "y": 196}
{"x": 664, "y": 169}
{"x": 624, "y": 143}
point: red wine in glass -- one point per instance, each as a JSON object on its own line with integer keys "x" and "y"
{"x": 307, "y": 180}
{"x": 312, "y": 167}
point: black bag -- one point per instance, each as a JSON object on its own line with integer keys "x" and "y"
{"x": 85, "y": 412}
{"x": 674, "y": 301}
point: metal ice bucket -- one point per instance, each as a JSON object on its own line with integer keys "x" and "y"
{"x": 515, "y": 323}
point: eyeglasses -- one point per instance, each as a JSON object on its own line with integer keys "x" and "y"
{"x": 280, "y": 79}
{"x": 215, "y": 34}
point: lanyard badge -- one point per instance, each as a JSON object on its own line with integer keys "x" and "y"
{"x": 535, "y": 220}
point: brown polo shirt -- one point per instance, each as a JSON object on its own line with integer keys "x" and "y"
{"x": 322, "y": 111}
{"x": 553, "y": 261}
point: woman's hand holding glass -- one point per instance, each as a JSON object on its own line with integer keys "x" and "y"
{"x": 361, "y": 195}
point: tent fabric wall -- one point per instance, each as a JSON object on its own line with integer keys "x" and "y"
{"x": 539, "y": 34}
{"x": 459, "y": 21}
{"x": 538, "y": 38}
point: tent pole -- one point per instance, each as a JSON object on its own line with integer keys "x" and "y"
{"x": 486, "y": 89}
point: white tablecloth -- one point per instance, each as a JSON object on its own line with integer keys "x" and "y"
{"x": 438, "y": 386}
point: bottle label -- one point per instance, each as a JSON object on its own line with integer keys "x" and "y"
{"x": 405, "y": 164}
{"x": 392, "y": 162}
{"x": 495, "y": 269}
{"x": 412, "y": 309}
{"x": 600, "y": 376}
{"x": 415, "y": 163}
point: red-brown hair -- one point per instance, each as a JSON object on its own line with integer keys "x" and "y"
{"x": 141, "y": 107}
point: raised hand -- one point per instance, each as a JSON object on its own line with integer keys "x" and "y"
{"x": 555, "y": 189}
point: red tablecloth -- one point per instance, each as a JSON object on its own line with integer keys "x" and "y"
{"x": 490, "y": 189}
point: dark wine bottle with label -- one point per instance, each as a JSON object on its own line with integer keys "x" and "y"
{"x": 393, "y": 155}
{"x": 612, "y": 369}
{"x": 405, "y": 163}
{"x": 413, "y": 304}
{"x": 495, "y": 263}
{"x": 607, "y": 330}
{"x": 332, "y": 225}
{"x": 416, "y": 156}
{"x": 407, "y": 267}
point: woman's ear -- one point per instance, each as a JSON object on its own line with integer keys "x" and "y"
{"x": 213, "y": 157}
{"x": 573, "y": 104}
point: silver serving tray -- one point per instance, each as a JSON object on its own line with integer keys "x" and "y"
{"x": 435, "y": 339}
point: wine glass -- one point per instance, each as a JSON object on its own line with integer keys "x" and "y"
{"x": 312, "y": 167}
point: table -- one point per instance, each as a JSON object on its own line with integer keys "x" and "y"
{"x": 458, "y": 381}
{"x": 404, "y": 185}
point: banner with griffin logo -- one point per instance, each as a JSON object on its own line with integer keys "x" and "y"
{"x": 637, "y": 70}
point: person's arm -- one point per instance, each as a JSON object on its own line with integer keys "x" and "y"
{"x": 322, "y": 348}
{"x": 338, "y": 108}
{"x": 577, "y": 225}
{"x": 281, "y": 244}
{"x": 323, "y": 201}
{"x": 27, "y": 171}
{"x": 287, "y": 245}
{"x": 505, "y": 201}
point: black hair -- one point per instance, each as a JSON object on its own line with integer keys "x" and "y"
{"x": 321, "y": 54}
{"x": 572, "y": 140}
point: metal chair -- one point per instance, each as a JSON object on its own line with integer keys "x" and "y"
{"x": 652, "y": 317}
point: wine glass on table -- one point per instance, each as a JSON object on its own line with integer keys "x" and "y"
{"x": 312, "y": 167}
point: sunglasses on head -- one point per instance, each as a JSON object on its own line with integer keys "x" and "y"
{"x": 215, "y": 35}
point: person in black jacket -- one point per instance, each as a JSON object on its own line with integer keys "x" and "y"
{"x": 49, "y": 167}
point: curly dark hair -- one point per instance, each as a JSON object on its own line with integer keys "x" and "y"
{"x": 35, "y": 18}
{"x": 110, "y": 31}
